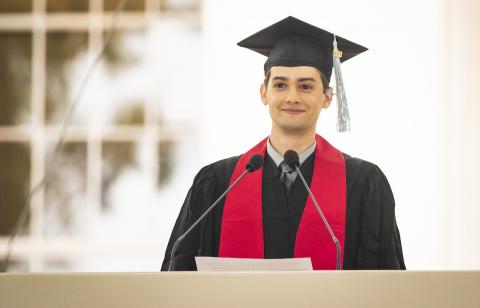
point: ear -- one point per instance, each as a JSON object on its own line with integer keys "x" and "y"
{"x": 327, "y": 100}
{"x": 263, "y": 94}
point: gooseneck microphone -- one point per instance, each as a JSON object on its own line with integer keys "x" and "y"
{"x": 291, "y": 158}
{"x": 255, "y": 162}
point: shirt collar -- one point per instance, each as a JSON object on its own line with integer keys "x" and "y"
{"x": 278, "y": 159}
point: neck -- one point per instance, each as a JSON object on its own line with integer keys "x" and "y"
{"x": 298, "y": 142}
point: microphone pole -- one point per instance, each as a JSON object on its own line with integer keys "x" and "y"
{"x": 291, "y": 158}
{"x": 255, "y": 162}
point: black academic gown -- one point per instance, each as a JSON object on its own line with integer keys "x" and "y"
{"x": 372, "y": 239}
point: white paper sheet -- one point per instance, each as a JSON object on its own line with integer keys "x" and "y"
{"x": 237, "y": 264}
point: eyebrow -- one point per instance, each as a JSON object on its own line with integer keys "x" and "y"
{"x": 306, "y": 79}
{"x": 283, "y": 78}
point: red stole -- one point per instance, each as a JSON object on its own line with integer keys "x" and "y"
{"x": 242, "y": 225}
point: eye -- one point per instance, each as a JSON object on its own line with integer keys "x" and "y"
{"x": 306, "y": 86}
{"x": 279, "y": 85}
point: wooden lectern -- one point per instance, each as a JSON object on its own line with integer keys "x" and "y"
{"x": 243, "y": 289}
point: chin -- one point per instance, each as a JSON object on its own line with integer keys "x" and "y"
{"x": 288, "y": 126}
{"x": 294, "y": 128}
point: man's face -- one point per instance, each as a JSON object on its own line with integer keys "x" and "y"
{"x": 295, "y": 97}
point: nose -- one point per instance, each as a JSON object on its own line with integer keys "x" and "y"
{"x": 292, "y": 96}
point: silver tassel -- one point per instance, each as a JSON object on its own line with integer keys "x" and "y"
{"x": 343, "y": 116}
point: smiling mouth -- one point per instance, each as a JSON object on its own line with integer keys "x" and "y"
{"x": 293, "y": 111}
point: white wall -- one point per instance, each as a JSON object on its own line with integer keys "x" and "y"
{"x": 412, "y": 99}
{"x": 461, "y": 131}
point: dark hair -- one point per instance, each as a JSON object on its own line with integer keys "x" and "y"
{"x": 325, "y": 83}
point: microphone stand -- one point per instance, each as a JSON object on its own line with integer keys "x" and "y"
{"x": 334, "y": 238}
{"x": 177, "y": 242}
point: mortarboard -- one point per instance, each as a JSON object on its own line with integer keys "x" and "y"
{"x": 292, "y": 42}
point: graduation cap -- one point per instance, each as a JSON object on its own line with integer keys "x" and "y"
{"x": 292, "y": 42}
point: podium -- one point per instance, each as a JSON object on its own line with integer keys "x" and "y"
{"x": 242, "y": 289}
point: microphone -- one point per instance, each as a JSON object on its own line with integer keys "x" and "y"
{"x": 255, "y": 162}
{"x": 291, "y": 158}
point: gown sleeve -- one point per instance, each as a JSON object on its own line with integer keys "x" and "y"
{"x": 190, "y": 211}
{"x": 210, "y": 182}
{"x": 381, "y": 247}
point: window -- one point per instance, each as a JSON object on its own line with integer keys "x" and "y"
{"x": 120, "y": 152}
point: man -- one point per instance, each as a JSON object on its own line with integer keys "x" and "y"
{"x": 268, "y": 214}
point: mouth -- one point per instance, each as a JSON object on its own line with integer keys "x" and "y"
{"x": 293, "y": 111}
